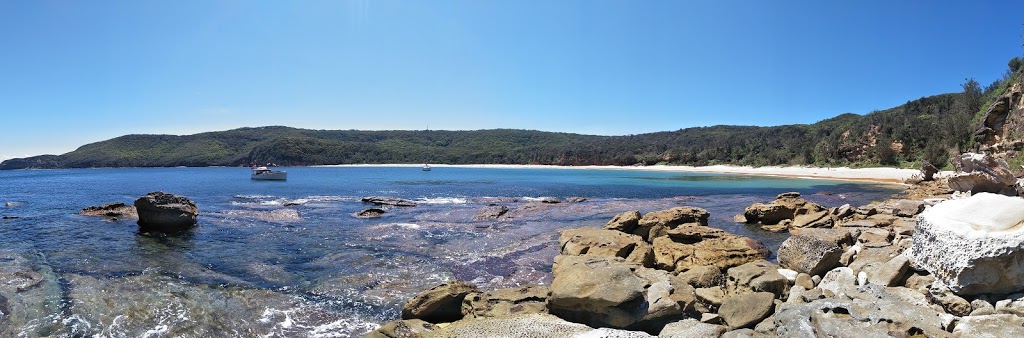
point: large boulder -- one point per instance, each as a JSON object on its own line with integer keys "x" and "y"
{"x": 165, "y": 212}
{"x": 689, "y": 246}
{"x": 657, "y": 223}
{"x": 973, "y": 245}
{"x": 809, "y": 254}
{"x": 757, "y": 276}
{"x": 745, "y": 310}
{"x": 982, "y": 173}
{"x": 440, "y": 304}
{"x": 610, "y": 292}
{"x": 994, "y": 325}
{"x": 608, "y": 243}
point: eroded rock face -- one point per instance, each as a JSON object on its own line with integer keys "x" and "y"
{"x": 973, "y": 245}
{"x": 982, "y": 173}
{"x": 608, "y": 243}
{"x": 506, "y": 302}
{"x": 690, "y": 246}
{"x": 440, "y": 304}
{"x": 625, "y": 222}
{"x": 165, "y": 212}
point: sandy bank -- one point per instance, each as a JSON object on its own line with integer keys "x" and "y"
{"x": 878, "y": 175}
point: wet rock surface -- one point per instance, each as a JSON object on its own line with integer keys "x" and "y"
{"x": 159, "y": 211}
{"x": 114, "y": 211}
{"x": 388, "y": 200}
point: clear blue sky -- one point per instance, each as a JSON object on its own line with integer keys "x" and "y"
{"x": 75, "y": 72}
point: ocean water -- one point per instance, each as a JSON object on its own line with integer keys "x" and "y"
{"x": 255, "y": 267}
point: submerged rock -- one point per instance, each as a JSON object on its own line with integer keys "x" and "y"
{"x": 30, "y": 296}
{"x": 973, "y": 245}
{"x": 388, "y": 200}
{"x": 111, "y": 210}
{"x": 490, "y": 213}
{"x": 370, "y": 213}
{"x": 161, "y": 211}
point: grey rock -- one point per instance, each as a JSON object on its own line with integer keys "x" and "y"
{"x": 839, "y": 280}
{"x": 689, "y": 328}
{"x": 490, "y": 213}
{"x": 370, "y": 213}
{"x": 531, "y": 325}
{"x": 990, "y": 326}
{"x": 981, "y": 307}
{"x": 746, "y": 310}
{"x": 744, "y": 333}
{"x": 402, "y": 328}
{"x": 953, "y": 304}
{"x": 889, "y": 273}
{"x": 808, "y": 254}
{"x": 758, "y": 276}
{"x": 111, "y": 210}
{"x": 713, "y": 296}
{"x": 1013, "y": 304}
{"x": 805, "y": 281}
{"x": 832, "y": 317}
{"x": 907, "y": 208}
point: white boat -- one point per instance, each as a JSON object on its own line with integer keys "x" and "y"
{"x": 426, "y": 167}
{"x": 264, "y": 173}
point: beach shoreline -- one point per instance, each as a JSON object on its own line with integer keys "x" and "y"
{"x": 872, "y": 175}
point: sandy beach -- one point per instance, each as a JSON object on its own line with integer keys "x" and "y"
{"x": 877, "y": 175}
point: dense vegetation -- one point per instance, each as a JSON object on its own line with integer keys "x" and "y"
{"x": 929, "y": 128}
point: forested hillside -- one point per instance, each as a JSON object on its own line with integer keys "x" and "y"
{"x": 930, "y": 128}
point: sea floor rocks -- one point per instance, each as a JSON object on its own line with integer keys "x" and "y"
{"x": 159, "y": 211}
{"x": 388, "y": 200}
{"x": 30, "y": 296}
{"x": 973, "y": 245}
{"x": 152, "y": 304}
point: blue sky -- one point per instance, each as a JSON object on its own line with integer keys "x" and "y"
{"x": 75, "y": 72}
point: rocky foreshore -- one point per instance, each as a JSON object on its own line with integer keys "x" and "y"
{"x": 932, "y": 263}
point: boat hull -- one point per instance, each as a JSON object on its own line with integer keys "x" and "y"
{"x": 271, "y": 176}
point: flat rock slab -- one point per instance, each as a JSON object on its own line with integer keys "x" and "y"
{"x": 746, "y": 310}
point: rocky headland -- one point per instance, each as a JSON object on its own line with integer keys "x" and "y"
{"x": 941, "y": 259}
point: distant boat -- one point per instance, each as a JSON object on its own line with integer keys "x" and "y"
{"x": 264, "y": 173}
{"x": 426, "y": 152}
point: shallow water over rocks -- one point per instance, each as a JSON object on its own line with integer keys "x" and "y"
{"x": 289, "y": 259}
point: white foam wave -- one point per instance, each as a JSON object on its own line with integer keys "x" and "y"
{"x": 253, "y": 197}
{"x": 442, "y": 200}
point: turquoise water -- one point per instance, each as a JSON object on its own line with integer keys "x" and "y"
{"x": 256, "y": 267}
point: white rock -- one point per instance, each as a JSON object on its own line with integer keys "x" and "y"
{"x": 862, "y": 278}
{"x": 973, "y": 245}
{"x": 789, "y": 274}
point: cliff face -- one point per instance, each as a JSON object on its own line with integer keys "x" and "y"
{"x": 1004, "y": 119}
{"x": 1001, "y": 129}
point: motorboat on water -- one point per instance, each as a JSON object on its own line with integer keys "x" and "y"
{"x": 426, "y": 167}
{"x": 264, "y": 173}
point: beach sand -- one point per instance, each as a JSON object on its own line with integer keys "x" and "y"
{"x": 877, "y": 175}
